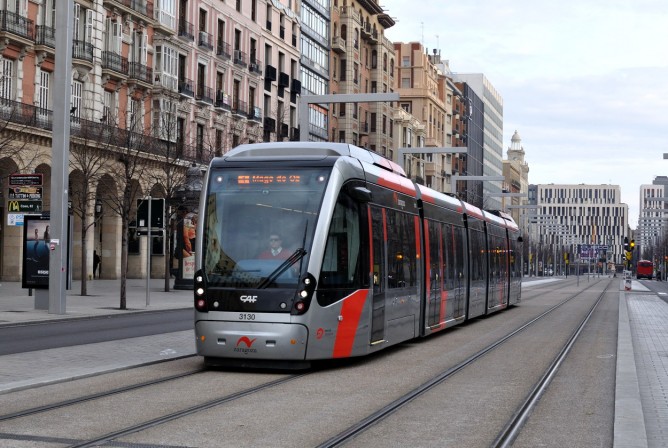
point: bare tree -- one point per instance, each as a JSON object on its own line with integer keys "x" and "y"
{"x": 91, "y": 151}
{"x": 171, "y": 174}
{"x": 133, "y": 161}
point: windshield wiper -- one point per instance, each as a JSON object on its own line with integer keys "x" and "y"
{"x": 295, "y": 257}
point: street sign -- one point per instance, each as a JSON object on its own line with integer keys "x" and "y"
{"x": 25, "y": 192}
{"x": 19, "y": 206}
{"x": 157, "y": 213}
{"x": 25, "y": 179}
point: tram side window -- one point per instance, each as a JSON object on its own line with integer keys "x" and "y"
{"x": 345, "y": 265}
{"x": 401, "y": 250}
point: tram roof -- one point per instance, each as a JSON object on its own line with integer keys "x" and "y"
{"x": 312, "y": 151}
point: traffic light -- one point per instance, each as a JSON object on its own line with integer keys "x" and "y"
{"x": 632, "y": 245}
{"x": 626, "y": 244}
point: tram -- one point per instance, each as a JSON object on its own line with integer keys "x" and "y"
{"x": 370, "y": 258}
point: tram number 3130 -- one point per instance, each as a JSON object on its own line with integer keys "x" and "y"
{"x": 246, "y": 316}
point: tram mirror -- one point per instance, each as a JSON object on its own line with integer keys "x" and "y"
{"x": 359, "y": 193}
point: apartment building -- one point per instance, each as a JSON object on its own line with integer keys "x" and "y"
{"x": 426, "y": 93}
{"x": 195, "y": 76}
{"x": 362, "y": 61}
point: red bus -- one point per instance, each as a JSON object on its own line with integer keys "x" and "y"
{"x": 645, "y": 269}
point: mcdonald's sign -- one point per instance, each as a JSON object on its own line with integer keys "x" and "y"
{"x": 24, "y": 206}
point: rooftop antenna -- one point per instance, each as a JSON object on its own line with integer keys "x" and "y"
{"x": 422, "y": 27}
{"x": 437, "y": 44}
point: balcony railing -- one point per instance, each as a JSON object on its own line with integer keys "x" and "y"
{"x": 111, "y": 136}
{"x": 16, "y": 24}
{"x": 223, "y": 50}
{"x": 240, "y": 58}
{"x": 205, "y": 40}
{"x": 222, "y": 100}
{"x": 186, "y": 87}
{"x": 239, "y": 107}
{"x": 82, "y": 50}
{"x": 143, "y": 7}
{"x": 115, "y": 62}
{"x": 186, "y": 30}
{"x": 45, "y": 35}
{"x": 255, "y": 66}
{"x": 204, "y": 94}
{"x": 141, "y": 72}
{"x": 254, "y": 113}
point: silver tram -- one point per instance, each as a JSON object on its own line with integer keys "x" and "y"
{"x": 371, "y": 259}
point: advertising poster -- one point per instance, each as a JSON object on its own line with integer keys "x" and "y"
{"x": 189, "y": 231}
{"x": 36, "y": 252}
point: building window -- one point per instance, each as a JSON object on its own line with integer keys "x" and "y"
{"x": 75, "y": 101}
{"x": 238, "y": 5}
{"x": 7, "y": 80}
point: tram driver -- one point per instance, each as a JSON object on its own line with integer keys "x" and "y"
{"x": 276, "y": 250}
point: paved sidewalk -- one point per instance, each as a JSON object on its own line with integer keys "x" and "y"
{"x": 103, "y": 298}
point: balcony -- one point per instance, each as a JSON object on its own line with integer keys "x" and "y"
{"x": 239, "y": 107}
{"x": 223, "y": 50}
{"x": 205, "y": 40}
{"x": 186, "y": 87}
{"x": 269, "y": 124}
{"x": 141, "y": 9}
{"x": 240, "y": 58}
{"x": 338, "y": 44}
{"x": 141, "y": 73}
{"x": 270, "y": 73}
{"x": 364, "y": 128}
{"x": 222, "y": 101}
{"x": 16, "y": 29}
{"x": 284, "y": 131}
{"x": 186, "y": 31}
{"x": 204, "y": 94}
{"x": 82, "y": 54}
{"x": 165, "y": 21}
{"x": 349, "y": 13}
{"x": 45, "y": 36}
{"x": 114, "y": 66}
{"x": 294, "y": 134}
{"x": 283, "y": 80}
{"x": 255, "y": 113}
{"x": 254, "y": 66}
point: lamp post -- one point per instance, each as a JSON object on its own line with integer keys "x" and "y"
{"x": 187, "y": 196}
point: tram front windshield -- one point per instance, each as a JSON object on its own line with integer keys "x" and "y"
{"x": 247, "y": 210}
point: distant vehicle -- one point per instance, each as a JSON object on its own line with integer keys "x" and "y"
{"x": 645, "y": 269}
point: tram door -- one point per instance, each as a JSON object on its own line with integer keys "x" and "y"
{"x": 379, "y": 275}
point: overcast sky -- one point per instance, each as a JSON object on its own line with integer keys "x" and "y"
{"x": 584, "y": 82}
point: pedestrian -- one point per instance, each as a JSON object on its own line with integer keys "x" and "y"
{"x": 96, "y": 264}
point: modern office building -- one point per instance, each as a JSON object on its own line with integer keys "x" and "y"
{"x": 493, "y": 134}
{"x": 315, "y": 59}
{"x": 570, "y": 215}
{"x": 652, "y": 225}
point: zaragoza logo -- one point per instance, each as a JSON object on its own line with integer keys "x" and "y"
{"x": 248, "y": 343}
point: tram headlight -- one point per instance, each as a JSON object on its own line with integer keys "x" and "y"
{"x": 304, "y": 294}
{"x": 200, "y": 293}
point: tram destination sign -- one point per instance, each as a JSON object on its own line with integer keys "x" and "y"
{"x": 16, "y": 180}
